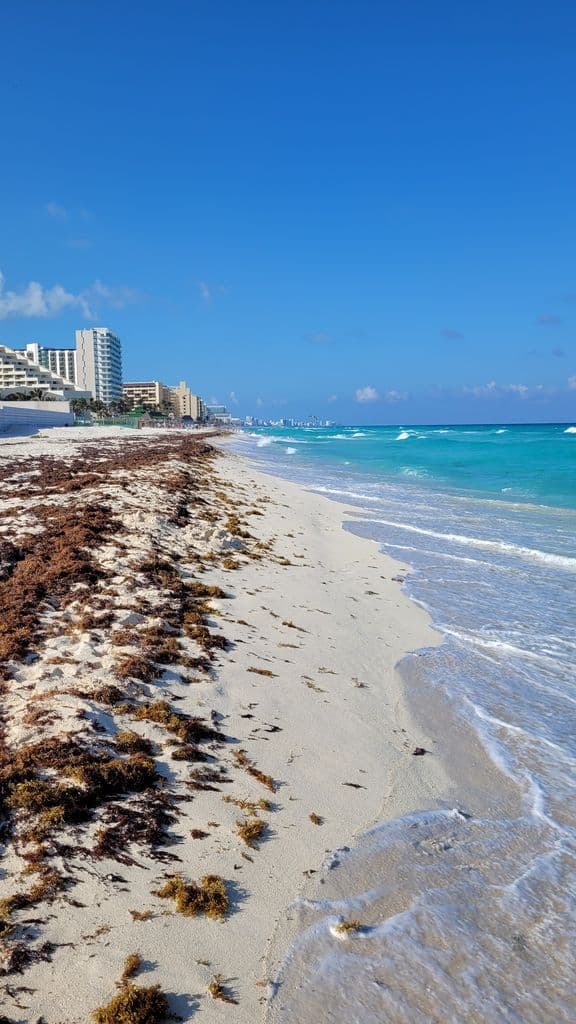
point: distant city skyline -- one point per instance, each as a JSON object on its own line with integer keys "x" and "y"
{"x": 367, "y": 212}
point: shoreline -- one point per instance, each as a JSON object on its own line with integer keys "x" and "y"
{"x": 315, "y": 626}
{"x": 460, "y": 778}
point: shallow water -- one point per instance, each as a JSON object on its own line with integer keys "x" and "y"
{"x": 466, "y": 917}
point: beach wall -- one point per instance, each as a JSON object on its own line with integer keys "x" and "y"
{"x": 21, "y": 417}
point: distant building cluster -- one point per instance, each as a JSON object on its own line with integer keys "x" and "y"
{"x": 310, "y": 421}
{"x": 153, "y": 395}
{"x": 92, "y": 371}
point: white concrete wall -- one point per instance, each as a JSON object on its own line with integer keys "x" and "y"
{"x": 25, "y": 416}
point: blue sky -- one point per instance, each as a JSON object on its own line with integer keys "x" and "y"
{"x": 363, "y": 210}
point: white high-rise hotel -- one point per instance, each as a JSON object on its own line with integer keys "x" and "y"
{"x": 99, "y": 363}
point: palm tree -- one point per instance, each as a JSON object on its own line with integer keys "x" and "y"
{"x": 79, "y": 404}
{"x": 118, "y": 408}
{"x": 15, "y": 396}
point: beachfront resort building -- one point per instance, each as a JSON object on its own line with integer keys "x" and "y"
{"x": 218, "y": 414}
{"x": 99, "y": 363}
{"x": 185, "y": 403}
{"x": 150, "y": 394}
{"x": 61, "y": 361}
{"x": 19, "y": 373}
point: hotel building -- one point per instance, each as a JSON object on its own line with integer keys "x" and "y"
{"x": 154, "y": 395}
{"x": 185, "y": 403}
{"x": 61, "y": 361}
{"x": 19, "y": 372}
{"x": 99, "y": 363}
{"x": 150, "y": 393}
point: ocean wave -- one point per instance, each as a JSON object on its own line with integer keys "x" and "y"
{"x": 344, "y": 437}
{"x": 501, "y": 647}
{"x": 496, "y": 722}
{"x": 502, "y": 547}
{"x": 570, "y": 430}
{"x": 263, "y": 442}
{"x": 465, "y": 559}
{"x": 403, "y": 435}
{"x": 519, "y": 492}
{"x": 290, "y": 451}
{"x": 347, "y": 494}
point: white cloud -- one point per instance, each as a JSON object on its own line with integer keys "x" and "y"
{"x": 118, "y": 296}
{"x": 35, "y": 300}
{"x": 482, "y": 390}
{"x": 56, "y": 211}
{"x": 367, "y": 394}
{"x": 233, "y": 398}
{"x": 333, "y": 398}
{"x": 395, "y": 396}
{"x": 494, "y": 390}
{"x": 205, "y": 290}
{"x": 208, "y": 292}
{"x": 259, "y": 403}
{"x": 572, "y": 383}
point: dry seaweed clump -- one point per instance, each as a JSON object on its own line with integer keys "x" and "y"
{"x": 141, "y": 915}
{"x": 210, "y": 897}
{"x": 134, "y": 1004}
{"x": 185, "y": 727}
{"x": 251, "y": 830}
{"x": 345, "y": 928}
{"x": 131, "y": 743}
{"x": 49, "y": 564}
{"x": 135, "y": 666}
{"x": 218, "y": 990}
{"x": 102, "y": 779}
{"x": 132, "y": 965}
{"x": 250, "y": 806}
{"x": 108, "y": 694}
{"x": 102, "y": 776}
{"x": 244, "y": 762}
{"x": 144, "y": 823}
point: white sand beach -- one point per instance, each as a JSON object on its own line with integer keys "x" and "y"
{"x": 312, "y": 736}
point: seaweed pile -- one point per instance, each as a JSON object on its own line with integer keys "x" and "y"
{"x": 106, "y": 625}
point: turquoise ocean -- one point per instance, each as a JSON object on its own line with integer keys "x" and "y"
{"x": 485, "y": 517}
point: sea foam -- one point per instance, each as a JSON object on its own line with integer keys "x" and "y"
{"x": 533, "y": 554}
